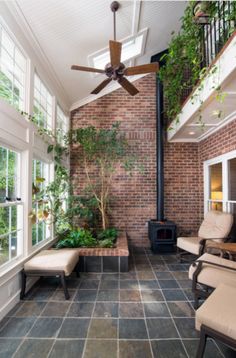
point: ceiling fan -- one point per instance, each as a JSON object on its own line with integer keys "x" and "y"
{"x": 116, "y": 70}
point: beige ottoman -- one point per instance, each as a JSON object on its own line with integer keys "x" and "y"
{"x": 216, "y": 318}
{"x": 59, "y": 263}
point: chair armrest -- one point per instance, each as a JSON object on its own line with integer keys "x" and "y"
{"x": 213, "y": 264}
{"x": 199, "y": 264}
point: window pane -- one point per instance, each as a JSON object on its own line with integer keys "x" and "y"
{"x": 12, "y": 71}
{"x": 216, "y": 181}
{"x": 4, "y": 220}
{"x": 40, "y": 228}
{"x": 4, "y": 250}
{"x": 232, "y": 179}
{"x": 10, "y": 232}
{"x": 216, "y": 191}
{"x": 8, "y": 175}
{"x": 42, "y": 104}
{"x": 10, "y": 208}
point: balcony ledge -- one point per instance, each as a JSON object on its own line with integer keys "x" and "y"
{"x": 203, "y": 102}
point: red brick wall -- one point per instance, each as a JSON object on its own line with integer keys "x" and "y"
{"x": 134, "y": 198}
{"x": 181, "y": 172}
{"x": 133, "y": 202}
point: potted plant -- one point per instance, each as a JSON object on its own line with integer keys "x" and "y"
{"x": 201, "y": 9}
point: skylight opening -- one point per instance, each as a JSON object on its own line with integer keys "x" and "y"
{"x": 132, "y": 47}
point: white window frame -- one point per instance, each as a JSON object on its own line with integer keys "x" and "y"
{"x": 224, "y": 159}
{"x": 20, "y": 135}
{"x": 20, "y": 210}
{"x": 24, "y": 54}
{"x": 46, "y": 175}
{"x": 47, "y": 124}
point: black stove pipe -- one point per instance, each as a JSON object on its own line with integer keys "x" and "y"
{"x": 159, "y": 140}
{"x": 159, "y": 151}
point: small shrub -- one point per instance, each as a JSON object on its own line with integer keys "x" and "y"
{"x": 77, "y": 238}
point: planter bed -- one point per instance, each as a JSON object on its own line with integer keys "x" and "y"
{"x": 105, "y": 259}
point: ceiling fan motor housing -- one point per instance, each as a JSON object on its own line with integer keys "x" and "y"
{"x": 115, "y": 72}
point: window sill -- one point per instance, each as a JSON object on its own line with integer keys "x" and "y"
{"x": 9, "y": 272}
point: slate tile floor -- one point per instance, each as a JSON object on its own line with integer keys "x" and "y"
{"x": 144, "y": 313}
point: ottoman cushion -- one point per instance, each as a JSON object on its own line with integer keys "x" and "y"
{"x": 53, "y": 260}
{"x": 219, "y": 311}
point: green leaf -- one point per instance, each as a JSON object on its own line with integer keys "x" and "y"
{"x": 50, "y": 148}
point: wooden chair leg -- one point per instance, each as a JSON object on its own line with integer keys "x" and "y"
{"x": 63, "y": 282}
{"x": 202, "y": 344}
{"x": 23, "y": 284}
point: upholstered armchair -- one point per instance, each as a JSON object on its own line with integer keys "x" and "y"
{"x": 216, "y": 226}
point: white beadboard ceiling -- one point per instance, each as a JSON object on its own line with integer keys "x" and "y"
{"x": 67, "y": 31}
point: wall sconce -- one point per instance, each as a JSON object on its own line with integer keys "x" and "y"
{"x": 216, "y": 195}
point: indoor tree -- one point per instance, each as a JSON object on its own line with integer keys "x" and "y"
{"x": 102, "y": 152}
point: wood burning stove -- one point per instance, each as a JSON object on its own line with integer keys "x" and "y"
{"x": 161, "y": 232}
{"x": 162, "y": 235}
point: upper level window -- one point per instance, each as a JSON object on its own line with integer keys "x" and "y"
{"x": 12, "y": 71}
{"x": 216, "y": 188}
{"x": 220, "y": 183}
{"x": 11, "y": 239}
{"x": 61, "y": 126}
{"x": 42, "y": 104}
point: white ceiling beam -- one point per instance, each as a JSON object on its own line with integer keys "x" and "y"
{"x": 135, "y": 22}
{"x": 200, "y": 125}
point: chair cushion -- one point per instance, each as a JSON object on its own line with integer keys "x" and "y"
{"x": 190, "y": 244}
{"x": 213, "y": 275}
{"x": 219, "y": 311}
{"x": 53, "y": 260}
{"x": 216, "y": 225}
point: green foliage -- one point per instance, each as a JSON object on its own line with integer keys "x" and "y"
{"x": 86, "y": 208}
{"x": 185, "y": 54}
{"x": 77, "y": 238}
{"x": 106, "y": 243}
{"x": 110, "y": 233}
{"x": 8, "y": 91}
{"x": 101, "y": 152}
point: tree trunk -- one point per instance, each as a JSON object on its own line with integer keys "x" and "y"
{"x": 104, "y": 216}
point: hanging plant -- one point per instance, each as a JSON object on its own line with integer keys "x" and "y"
{"x": 184, "y": 61}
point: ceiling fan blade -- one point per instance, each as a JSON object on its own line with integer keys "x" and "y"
{"x": 128, "y": 86}
{"x": 115, "y": 52}
{"x": 137, "y": 70}
{"x": 86, "y": 69}
{"x": 101, "y": 86}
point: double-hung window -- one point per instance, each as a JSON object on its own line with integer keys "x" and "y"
{"x": 12, "y": 71}
{"x": 11, "y": 238}
{"x": 220, "y": 183}
{"x": 42, "y": 104}
{"x": 40, "y": 205}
